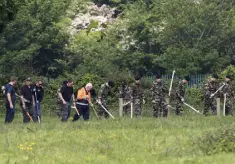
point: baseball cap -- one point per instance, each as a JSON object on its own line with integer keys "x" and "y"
{"x": 28, "y": 79}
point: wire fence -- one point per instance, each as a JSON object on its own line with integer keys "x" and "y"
{"x": 195, "y": 80}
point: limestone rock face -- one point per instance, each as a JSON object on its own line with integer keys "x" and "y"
{"x": 100, "y": 15}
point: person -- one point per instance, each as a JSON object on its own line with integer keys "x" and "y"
{"x": 59, "y": 102}
{"x": 180, "y": 93}
{"x": 10, "y": 96}
{"x": 158, "y": 98}
{"x": 38, "y": 92}
{"x": 229, "y": 92}
{"x": 137, "y": 97}
{"x": 103, "y": 98}
{"x": 83, "y": 102}
{"x": 66, "y": 94}
{"x": 210, "y": 88}
{"x": 27, "y": 102}
{"x": 124, "y": 93}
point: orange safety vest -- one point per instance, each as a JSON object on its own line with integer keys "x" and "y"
{"x": 82, "y": 96}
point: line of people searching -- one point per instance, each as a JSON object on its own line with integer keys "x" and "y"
{"x": 31, "y": 96}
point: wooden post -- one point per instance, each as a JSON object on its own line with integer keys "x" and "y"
{"x": 120, "y": 107}
{"x": 131, "y": 110}
{"x": 218, "y": 106}
{"x": 224, "y": 106}
{"x": 168, "y": 103}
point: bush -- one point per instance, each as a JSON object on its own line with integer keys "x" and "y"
{"x": 223, "y": 140}
{"x": 195, "y": 95}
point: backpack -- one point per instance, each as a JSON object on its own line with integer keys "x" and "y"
{"x": 4, "y": 88}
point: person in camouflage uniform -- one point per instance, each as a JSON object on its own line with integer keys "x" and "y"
{"x": 228, "y": 90}
{"x": 59, "y": 102}
{"x": 137, "y": 97}
{"x": 180, "y": 92}
{"x": 158, "y": 98}
{"x": 103, "y": 97}
{"x": 124, "y": 93}
{"x": 210, "y": 88}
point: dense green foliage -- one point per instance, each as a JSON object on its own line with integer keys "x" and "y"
{"x": 147, "y": 37}
{"x": 221, "y": 141}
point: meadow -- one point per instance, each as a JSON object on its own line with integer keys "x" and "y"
{"x": 184, "y": 139}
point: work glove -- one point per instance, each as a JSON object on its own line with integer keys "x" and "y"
{"x": 99, "y": 101}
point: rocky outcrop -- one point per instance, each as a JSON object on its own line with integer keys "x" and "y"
{"x": 96, "y": 19}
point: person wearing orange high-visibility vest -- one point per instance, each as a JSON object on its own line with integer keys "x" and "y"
{"x": 83, "y": 102}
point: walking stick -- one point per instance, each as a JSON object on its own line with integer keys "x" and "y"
{"x": 95, "y": 113}
{"x": 192, "y": 108}
{"x": 37, "y": 106}
{"x": 31, "y": 119}
{"x": 105, "y": 109}
{"x": 127, "y": 103}
{"x": 172, "y": 78}
{"x": 218, "y": 90}
{"x": 75, "y": 108}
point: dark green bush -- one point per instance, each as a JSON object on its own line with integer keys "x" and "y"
{"x": 222, "y": 140}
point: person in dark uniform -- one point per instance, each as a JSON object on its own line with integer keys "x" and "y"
{"x": 27, "y": 102}
{"x": 38, "y": 93}
{"x": 66, "y": 94}
{"x": 10, "y": 95}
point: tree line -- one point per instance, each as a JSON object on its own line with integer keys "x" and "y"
{"x": 190, "y": 36}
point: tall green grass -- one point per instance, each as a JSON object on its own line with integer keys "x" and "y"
{"x": 123, "y": 140}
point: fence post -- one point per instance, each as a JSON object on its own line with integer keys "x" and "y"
{"x": 218, "y": 106}
{"x": 224, "y": 105}
{"x": 168, "y": 103}
{"x": 120, "y": 107}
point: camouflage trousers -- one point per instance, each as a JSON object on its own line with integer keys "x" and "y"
{"x": 228, "y": 107}
{"x": 160, "y": 108}
{"x": 137, "y": 103}
{"x": 209, "y": 103}
{"x": 101, "y": 110}
{"x": 179, "y": 107}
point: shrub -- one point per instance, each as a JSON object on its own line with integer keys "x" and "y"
{"x": 222, "y": 140}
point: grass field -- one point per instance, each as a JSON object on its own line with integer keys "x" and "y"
{"x": 143, "y": 140}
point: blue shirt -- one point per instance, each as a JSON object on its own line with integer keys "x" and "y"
{"x": 10, "y": 89}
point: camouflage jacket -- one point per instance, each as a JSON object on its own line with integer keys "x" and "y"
{"x": 158, "y": 90}
{"x": 228, "y": 90}
{"x": 210, "y": 87}
{"x": 180, "y": 90}
{"x": 103, "y": 92}
{"x": 125, "y": 92}
{"x": 136, "y": 92}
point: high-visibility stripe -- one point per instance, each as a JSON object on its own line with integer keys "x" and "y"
{"x": 82, "y": 104}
